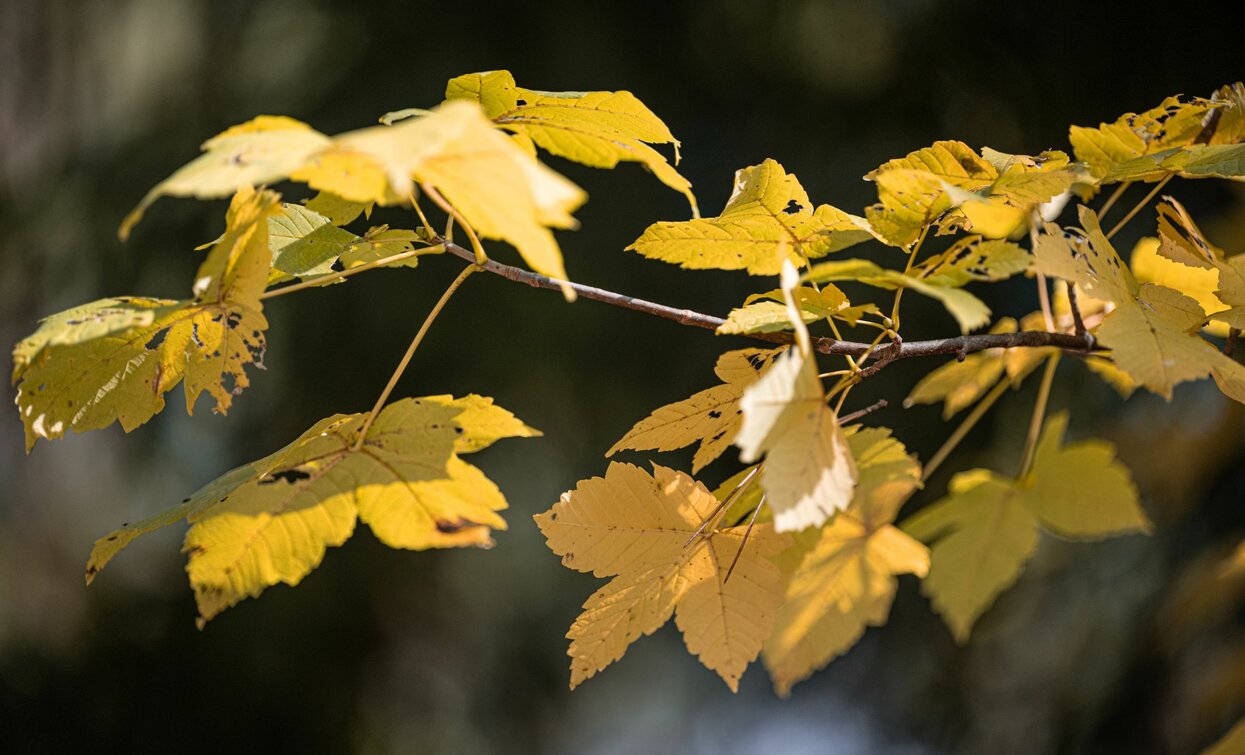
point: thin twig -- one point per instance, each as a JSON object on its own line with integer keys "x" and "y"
{"x": 410, "y": 352}
{"x": 1111, "y": 200}
{"x": 339, "y": 275}
{"x": 870, "y": 409}
{"x": 967, "y": 425}
{"x": 455, "y": 215}
{"x": 964, "y": 344}
{"x": 1078, "y": 322}
{"x": 744, "y": 483}
{"x": 744, "y": 541}
{"x": 1039, "y": 415}
{"x": 1138, "y": 207}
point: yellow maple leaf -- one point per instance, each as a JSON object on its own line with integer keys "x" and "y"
{"x": 113, "y": 360}
{"x": 769, "y": 219}
{"x": 500, "y": 189}
{"x": 638, "y": 528}
{"x": 844, "y": 577}
{"x": 985, "y": 530}
{"x": 504, "y": 192}
{"x": 1152, "y": 329}
{"x": 1171, "y": 123}
{"x": 710, "y": 417}
{"x": 271, "y": 521}
{"x": 599, "y": 129}
{"x": 767, "y": 312}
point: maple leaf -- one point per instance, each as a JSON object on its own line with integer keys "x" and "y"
{"x": 959, "y": 383}
{"x": 769, "y": 219}
{"x": 710, "y": 417}
{"x": 1171, "y": 123}
{"x": 501, "y": 190}
{"x": 809, "y": 473}
{"x": 263, "y": 150}
{"x": 114, "y": 359}
{"x": 638, "y": 528}
{"x": 767, "y": 312}
{"x": 844, "y": 573}
{"x": 913, "y": 191}
{"x": 339, "y": 211}
{"x": 1152, "y": 329}
{"x": 985, "y": 530}
{"x": 271, "y": 521}
{"x": 599, "y": 129}
{"x": 504, "y": 192}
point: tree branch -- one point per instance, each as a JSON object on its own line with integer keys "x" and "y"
{"x": 898, "y": 350}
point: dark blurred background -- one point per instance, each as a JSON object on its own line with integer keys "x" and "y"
{"x": 1131, "y": 646}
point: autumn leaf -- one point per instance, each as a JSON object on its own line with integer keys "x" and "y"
{"x": 263, "y": 150}
{"x": 809, "y": 473}
{"x": 1152, "y": 330}
{"x": 599, "y": 129}
{"x": 499, "y": 188}
{"x": 915, "y": 190}
{"x": 985, "y": 530}
{"x": 1171, "y": 123}
{"x": 768, "y": 219}
{"x": 844, "y": 578}
{"x": 503, "y": 191}
{"x": 767, "y": 313}
{"x": 271, "y": 521}
{"x": 339, "y": 211}
{"x": 961, "y": 382}
{"x": 710, "y": 417}
{"x": 973, "y": 258}
{"x": 640, "y": 529}
{"x": 113, "y": 360}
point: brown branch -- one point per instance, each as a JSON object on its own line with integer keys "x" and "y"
{"x": 891, "y": 352}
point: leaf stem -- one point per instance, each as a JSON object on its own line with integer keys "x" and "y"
{"x": 1111, "y": 200}
{"x": 454, "y": 214}
{"x": 410, "y": 352}
{"x": 1039, "y": 415}
{"x": 339, "y": 275}
{"x": 1138, "y": 207}
{"x": 916, "y": 248}
{"x": 965, "y": 427}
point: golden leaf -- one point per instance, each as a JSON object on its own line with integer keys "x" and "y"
{"x": 769, "y": 219}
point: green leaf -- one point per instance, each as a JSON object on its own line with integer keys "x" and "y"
{"x": 271, "y": 521}
{"x": 304, "y": 243}
{"x": 113, "y": 360}
{"x": 768, "y": 219}
{"x": 985, "y": 530}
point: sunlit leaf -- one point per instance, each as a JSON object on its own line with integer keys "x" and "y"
{"x": 113, "y": 360}
{"x": 969, "y": 311}
{"x": 599, "y": 129}
{"x": 636, "y": 528}
{"x": 768, "y": 219}
{"x": 261, "y": 151}
{"x": 710, "y": 417}
{"x": 844, "y": 580}
{"x": 271, "y": 521}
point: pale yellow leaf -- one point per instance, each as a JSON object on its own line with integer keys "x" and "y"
{"x": 639, "y": 529}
